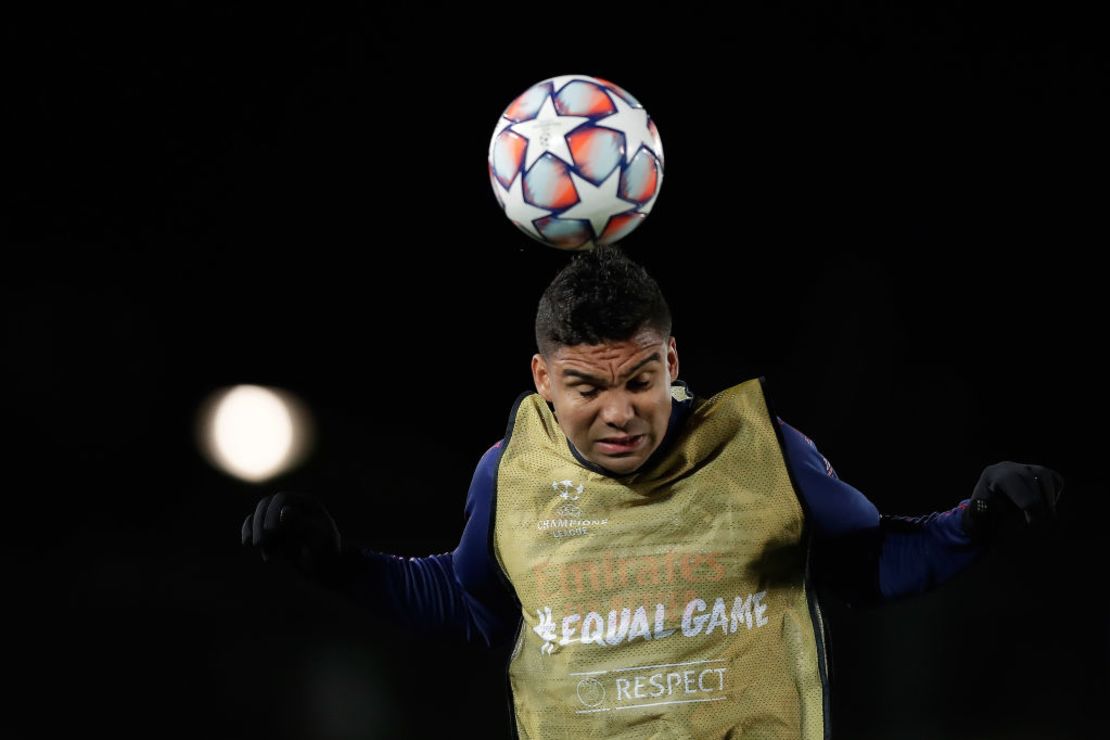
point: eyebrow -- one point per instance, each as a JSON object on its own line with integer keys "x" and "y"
{"x": 594, "y": 380}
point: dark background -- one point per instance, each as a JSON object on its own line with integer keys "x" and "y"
{"x": 897, "y": 217}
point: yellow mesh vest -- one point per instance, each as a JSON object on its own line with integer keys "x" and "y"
{"x": 670, "y": 603}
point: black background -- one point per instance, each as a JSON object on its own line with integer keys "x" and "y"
{"x": 895, "y": 216}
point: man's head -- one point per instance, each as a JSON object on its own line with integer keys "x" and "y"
{"x": 606, "y": 358}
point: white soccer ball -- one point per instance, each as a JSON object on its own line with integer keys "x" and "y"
{"x": 575, "y": 162}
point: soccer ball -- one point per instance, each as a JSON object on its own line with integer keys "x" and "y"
{"x": 575, "y": 162}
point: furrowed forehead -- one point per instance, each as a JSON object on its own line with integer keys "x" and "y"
{"x": 601, "y": 372}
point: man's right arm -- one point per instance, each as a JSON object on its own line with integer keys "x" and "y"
{"x": 459, "y": 593}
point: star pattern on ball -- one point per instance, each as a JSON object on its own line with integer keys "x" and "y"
{"x": 558, "y": 83}
{"x": 502, "y": 124}
{"x": 557, "y": 160}
{"x": 598, "y": 203}
{"x": 632, "y": 122}
{"x": 518, "y": 209}
{"x": 547, "y": 132}
{"x": 646, "y": 207}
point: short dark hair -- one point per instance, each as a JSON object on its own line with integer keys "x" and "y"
{"x": 600, "y": 296}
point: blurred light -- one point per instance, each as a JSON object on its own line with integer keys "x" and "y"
{"x": 253, "y": 433}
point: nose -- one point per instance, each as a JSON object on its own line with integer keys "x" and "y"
{"x": 617, "y": 410}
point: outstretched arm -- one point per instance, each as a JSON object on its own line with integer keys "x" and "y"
{"x": 866, "y": 557}
{"x": 455, "y": 593}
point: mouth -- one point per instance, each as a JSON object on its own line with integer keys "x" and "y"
{"x": 618, "y": 445}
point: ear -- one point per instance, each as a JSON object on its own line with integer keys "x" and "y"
{"x": 672, "y": 359}
{"x": 541, "y": 377}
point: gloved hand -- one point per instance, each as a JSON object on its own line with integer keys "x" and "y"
{"x": 1006, "y": 487}
{"x": 297, "y": 528}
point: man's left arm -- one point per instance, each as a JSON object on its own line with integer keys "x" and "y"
{"x": 869, "y": 558}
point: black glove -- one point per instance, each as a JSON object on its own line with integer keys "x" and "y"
{"x": 296, "y": 528}
{"x": 1006, "y": 487}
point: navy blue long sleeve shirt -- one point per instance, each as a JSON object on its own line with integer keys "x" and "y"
{"x": 860, "y": 555}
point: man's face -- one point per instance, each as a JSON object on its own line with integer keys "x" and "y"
{"x": 612, "y": 400}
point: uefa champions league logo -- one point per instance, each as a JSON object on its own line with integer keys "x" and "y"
{"x": 565, "y": 521}
{"x": 567, "y": 489}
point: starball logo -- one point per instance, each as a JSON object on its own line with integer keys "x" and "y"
{"x": 567, "y": 489}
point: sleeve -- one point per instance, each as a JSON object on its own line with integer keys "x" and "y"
{"x": 864, "y": 557}
{"x": 457, "y": 593}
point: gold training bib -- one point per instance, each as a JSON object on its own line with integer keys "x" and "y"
{"x": 670, "y": 603}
